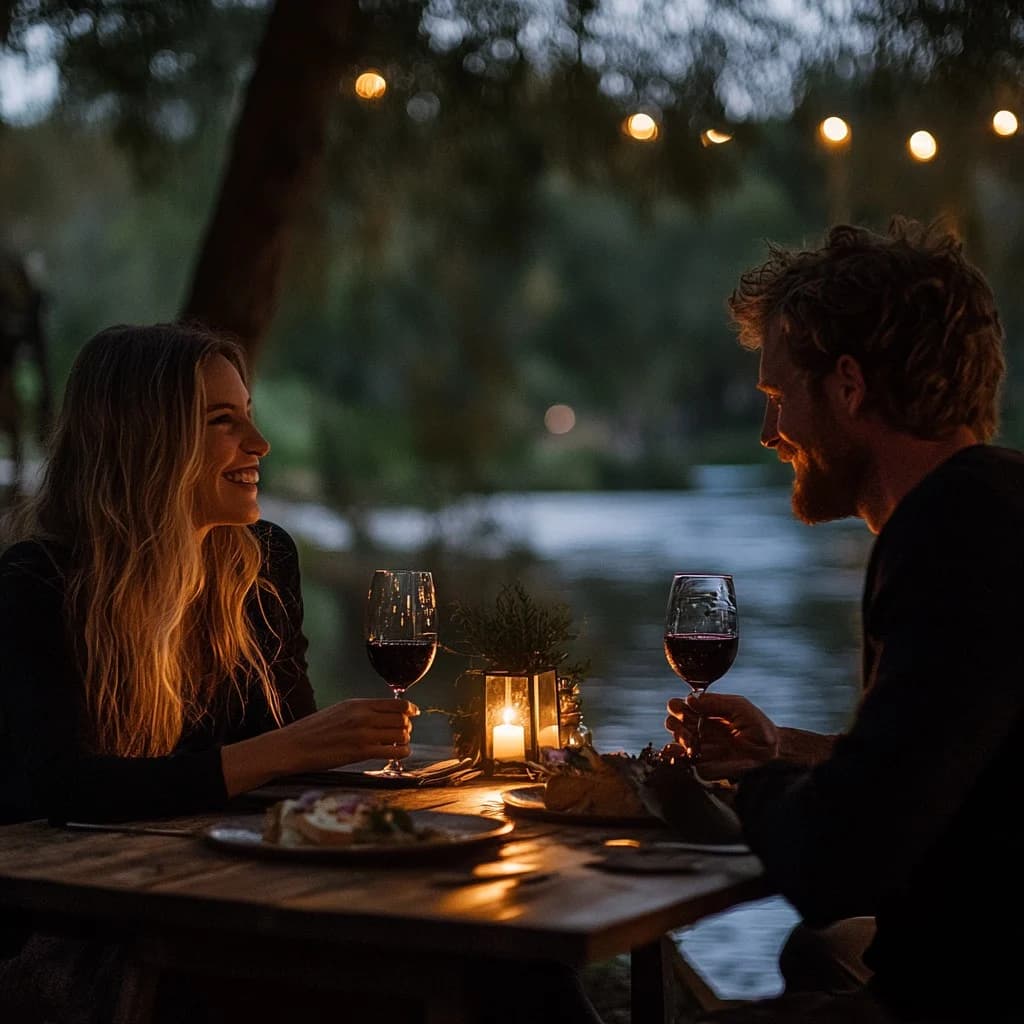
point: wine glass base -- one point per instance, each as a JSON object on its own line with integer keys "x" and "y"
{"x": 392, "y": 770}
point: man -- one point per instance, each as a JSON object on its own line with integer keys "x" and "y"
{"x": 881, "y": 361}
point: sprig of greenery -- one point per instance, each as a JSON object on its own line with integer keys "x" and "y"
{"x": 516, "y": 633}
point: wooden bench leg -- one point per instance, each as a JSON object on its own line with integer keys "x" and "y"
{"x": 136, "y": 1001}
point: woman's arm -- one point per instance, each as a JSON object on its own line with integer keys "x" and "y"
{"x": 353, "y": 730}
{"x": 311, "y": 740}
{"x": 44, "y": 772}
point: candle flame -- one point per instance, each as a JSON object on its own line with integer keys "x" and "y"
{"x": 508, "y": 716}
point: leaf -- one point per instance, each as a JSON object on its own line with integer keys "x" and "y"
{"x": 516, "y": 633}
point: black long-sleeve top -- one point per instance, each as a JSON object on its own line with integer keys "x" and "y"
{"x": 914, "y": 817}
{"x": 44, "y": 768}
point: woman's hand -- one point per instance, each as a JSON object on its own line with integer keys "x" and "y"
{"x": 735, "y": 736}
{"x": 352, "y": 730}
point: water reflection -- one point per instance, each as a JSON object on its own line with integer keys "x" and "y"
{"x": 611, "y": 557}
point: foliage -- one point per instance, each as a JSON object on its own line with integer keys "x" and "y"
{"x": 486, "y": 243}
{"x": 516, "y": 633}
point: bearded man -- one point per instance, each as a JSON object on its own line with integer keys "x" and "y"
{"x": 881, "y": 361}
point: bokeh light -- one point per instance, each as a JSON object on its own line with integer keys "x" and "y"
{"x": 560, "y": 419}
{"x": 1004, "y": 122}
{"x": 922, "y": 146}
{"x": 713, "y": 137}
{"x": 834, "y": 130}
{"x": 641, "y": 127}
{"x": 370, "y": 85}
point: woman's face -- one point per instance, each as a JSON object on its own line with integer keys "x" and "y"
{"x": 227, "y": 494}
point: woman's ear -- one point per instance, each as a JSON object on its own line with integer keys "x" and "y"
{"x": 848, "y": 387}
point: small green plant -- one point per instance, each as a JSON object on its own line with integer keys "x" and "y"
{"x": 516, "y": 634}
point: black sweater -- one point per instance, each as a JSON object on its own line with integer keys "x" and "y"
{"x": 44, "y": 771}
{"x": 914, "y": 816}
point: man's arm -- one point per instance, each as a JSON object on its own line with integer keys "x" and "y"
{"x": 799, "y": 746}
{"x": 737, "y": 736}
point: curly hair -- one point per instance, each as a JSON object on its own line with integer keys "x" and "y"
{"x": 916, "y": 315}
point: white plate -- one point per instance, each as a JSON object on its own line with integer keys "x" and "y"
{"x": 454, "y": 834}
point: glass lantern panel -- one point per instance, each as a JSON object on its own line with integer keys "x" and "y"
{"x": 544, "y": 687}
{"x": 508, "y": 720}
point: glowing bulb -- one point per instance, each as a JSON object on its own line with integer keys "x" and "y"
{"x": 370, "y": 85}
{"x": 834, "y": 130}
{"x": 713, "y": 137}
{"x": 922, "y": 146}
{"x": 641, "y": 127}
{"x": 1004, "y": 122}
{"x": 560, "y": 419}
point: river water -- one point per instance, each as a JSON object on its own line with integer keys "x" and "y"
{"x": 610, "y": 557}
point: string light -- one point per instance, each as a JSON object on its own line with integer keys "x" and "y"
{"x": 713, "y": 137}
{"x": 922, "y": 146}
{"x": 641, "y": 127}
{"x": 560, "y": 419}
{"x": 834, "y": 130}
{"x": 370, "y": 85}
{"x": 1004, "y": 122}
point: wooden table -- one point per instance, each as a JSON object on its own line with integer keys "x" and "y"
{"x": 185, "y": 904}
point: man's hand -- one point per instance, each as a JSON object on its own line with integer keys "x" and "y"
{"x": 735, "y": 735}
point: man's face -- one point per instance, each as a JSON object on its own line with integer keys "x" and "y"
{"x": 800, "y": 423}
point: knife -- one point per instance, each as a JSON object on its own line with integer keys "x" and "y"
{"x": 135, "y": 830}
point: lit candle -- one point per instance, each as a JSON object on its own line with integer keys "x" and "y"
{"x": 549, "y": 736}
{"x": 508, "y": 741}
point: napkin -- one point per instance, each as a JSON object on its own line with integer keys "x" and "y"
{"x": 648, "y": 860}
{"x": 436, "y": 774}
{"x": 688, "y": 805}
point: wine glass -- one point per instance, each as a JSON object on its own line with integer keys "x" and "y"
{"x": 701, "y": 633}
{"x": 401, "y": 634}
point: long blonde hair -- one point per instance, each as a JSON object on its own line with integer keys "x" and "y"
{"x": 158, "y": 618}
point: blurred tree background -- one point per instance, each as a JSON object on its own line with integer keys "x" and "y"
{"x": 424, "y": 276}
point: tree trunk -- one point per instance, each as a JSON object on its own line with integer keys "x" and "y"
{"x": 277, "y": 152}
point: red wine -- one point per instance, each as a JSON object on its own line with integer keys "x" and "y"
{"x": 700, "y": 658}
{"x": 400, "y": 663}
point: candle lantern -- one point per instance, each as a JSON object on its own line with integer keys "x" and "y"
{"x": 520, "y": 719}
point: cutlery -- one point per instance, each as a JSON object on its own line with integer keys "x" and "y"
{"x": 136, "y": 830}
{"x": 674, "y": 846}
{"x": 456, "y": 880}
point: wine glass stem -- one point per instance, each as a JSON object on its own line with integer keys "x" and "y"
{"x": 394, "y": 766}
{"x": 698, "y": 735}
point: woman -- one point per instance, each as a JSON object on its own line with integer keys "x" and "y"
{"x": 150, "y": 623}
{"x": 153, "y": 660}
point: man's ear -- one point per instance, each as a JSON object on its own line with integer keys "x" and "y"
{"x": 848, "y": 384}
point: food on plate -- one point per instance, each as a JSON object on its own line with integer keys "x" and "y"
{"x": 598, "y": 784}
{"x": 582, "y": 781}
{"x": 340, "y": 819}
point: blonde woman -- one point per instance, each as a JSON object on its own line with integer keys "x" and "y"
{"x": 150, "y": 622}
